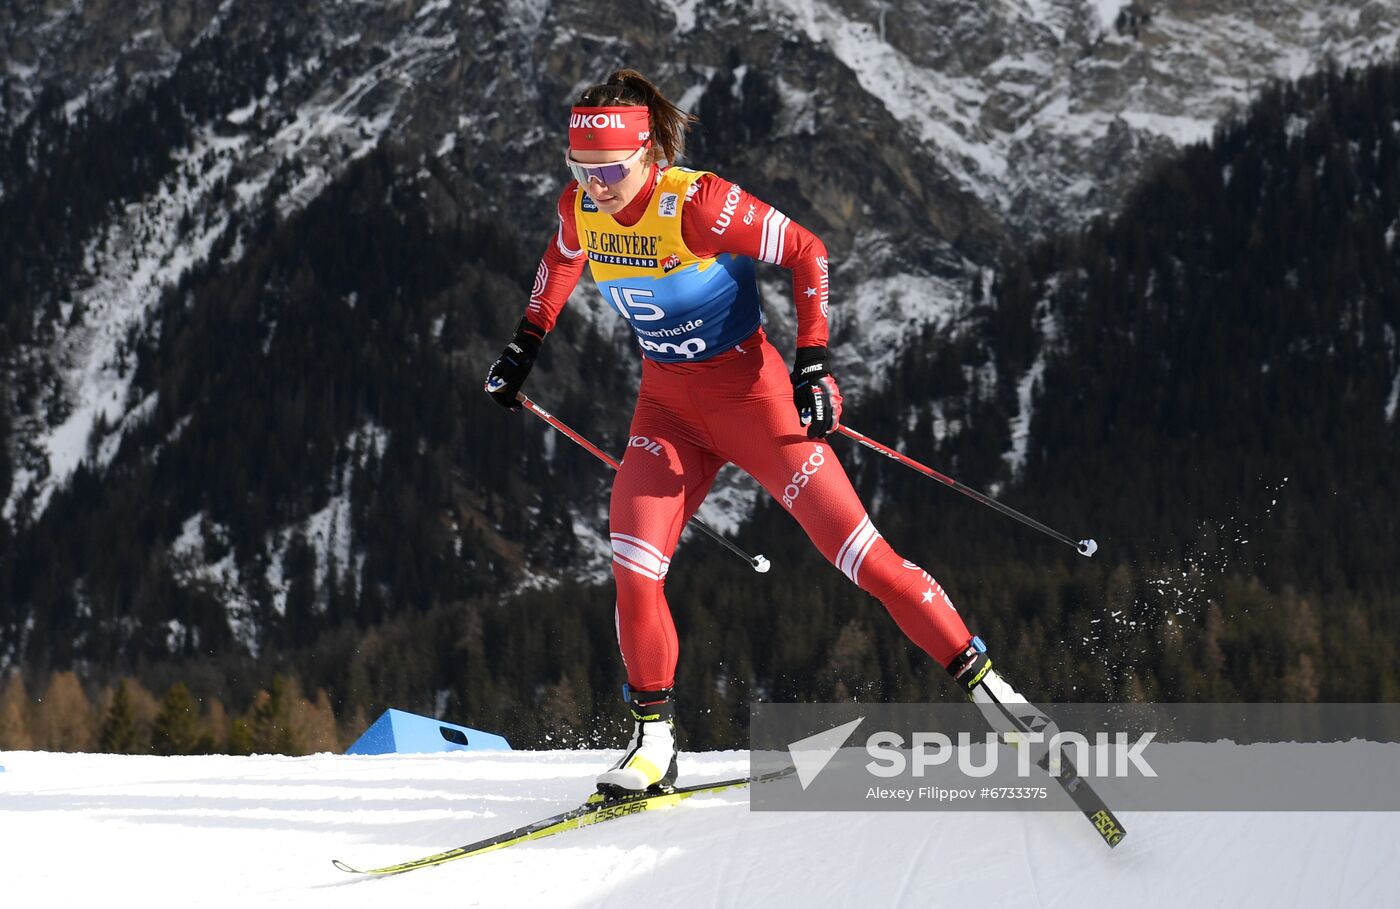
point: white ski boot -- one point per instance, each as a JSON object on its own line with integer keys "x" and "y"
{"x": 649, "y": 763}
{"x": 1006, "y": 710}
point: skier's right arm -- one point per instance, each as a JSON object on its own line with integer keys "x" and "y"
{"x": 558, "y": 274}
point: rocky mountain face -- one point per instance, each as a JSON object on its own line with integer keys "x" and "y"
{"x": 189, "y": 181}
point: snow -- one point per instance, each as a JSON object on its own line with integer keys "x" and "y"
{"x": 241, "y": 115}
{"x": 595, "y": 557}
{"x": 143, "y": 250}
{"x": 1181, "y": 131}
{"x": 1107, "y": 11}
{"x": 328, "y": 532}
{"x": 236, "y": 831}
{"x": 882, "y": 313}
{"x": 940, "y": 108}
{"x": 731, "y": 501}
{"x": 94, "y": 356}
{"x": 176, "y": 635}
{"x": 1393, "y": 401}
{"x": 190, "y": 540}
{"x": 21, "y": 71}
{"x": 1021, "y": 423}
{"x": 191, "y": 568}
{"x": 1011, "y": 132}
{"x": 529, "y": 13}
{"x": 684, "y": 11}
{"x": 892, "y": 309}
{"x": 436, "y": 6}
{"x": 1044, "y": 13}
{"x": 798, "y": 113}
{"x": 688, "y": 99}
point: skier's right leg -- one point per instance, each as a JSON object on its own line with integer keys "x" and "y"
{"x": 665, "y": 474}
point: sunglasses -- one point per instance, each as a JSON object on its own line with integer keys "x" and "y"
{"x": 607, "y": 174}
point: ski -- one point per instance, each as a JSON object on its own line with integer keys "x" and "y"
{"x": 1086, "y": 799}
{"x": 596, "y": 810}
{"x": 1004, "y": 707}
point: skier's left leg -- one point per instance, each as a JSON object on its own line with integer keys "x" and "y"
{"x": 765, "y": 439}
{"x": 831, "y": 513}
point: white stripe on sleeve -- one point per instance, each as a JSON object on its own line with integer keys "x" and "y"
{"x": 564, "y": 247}
{"x": 771, "y": 239}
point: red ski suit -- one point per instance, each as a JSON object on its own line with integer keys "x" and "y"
{"x": 721, "y": 405}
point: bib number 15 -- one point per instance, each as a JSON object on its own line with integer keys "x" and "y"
{"x": 632, "y": 303}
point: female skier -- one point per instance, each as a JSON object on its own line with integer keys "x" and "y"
{"x": 672, "y": 250}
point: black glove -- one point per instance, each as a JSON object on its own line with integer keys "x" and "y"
{"x": 507, "y": 374}
{"x": 814, "y": 392}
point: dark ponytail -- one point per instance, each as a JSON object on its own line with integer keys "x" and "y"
{"x": 669, "y": 123}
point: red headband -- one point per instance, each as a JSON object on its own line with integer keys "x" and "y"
{"x": 609, "y": 128}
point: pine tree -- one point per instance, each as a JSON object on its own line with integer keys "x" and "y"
{"x": 64, "y": 720}
{"x": 120, "y": 731}
{"x": 316, "y": 724}
{"x": 16, "y": 729}
{"x": 214, "y": 729}
{"x": 851, "y": 666}
{"x": 240, "y": 736}
{"x": 176, "y": 729}
{"x": 272, "y": 726}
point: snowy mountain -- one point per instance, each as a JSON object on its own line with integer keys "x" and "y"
{"x": 176, "y": 174}
{"x": 1024, "y": 118}
{"x": 221, "y": 831}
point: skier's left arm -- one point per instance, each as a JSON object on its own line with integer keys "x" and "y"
{"x": 722, "y": 217}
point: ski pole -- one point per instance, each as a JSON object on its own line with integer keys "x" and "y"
{"x": 759, "y": 563}
{"x": 1084, "y": 547}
